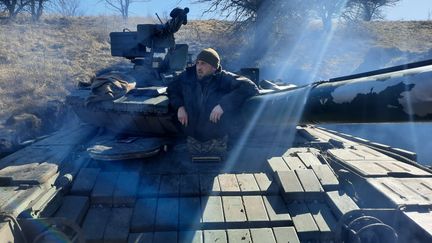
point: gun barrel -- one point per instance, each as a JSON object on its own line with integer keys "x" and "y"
{"x": 396, "y": 96}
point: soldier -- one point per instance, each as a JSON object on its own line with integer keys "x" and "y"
{"x": 206, "y": 97}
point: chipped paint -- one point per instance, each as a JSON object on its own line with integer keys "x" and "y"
{"x": 418, "y": 101}
{"x": 347, "y": 92}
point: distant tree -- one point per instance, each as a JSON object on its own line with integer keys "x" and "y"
{"x": 279, "y": 11}
{"x": 367, "y": 10}
{"x": 37, "y": 8}
{"x": 66, "y": 8}
{"x": 239, "y": 10}
{"x": 13, "y": 7}
{"x": 254, "y": 10}
{"x": 122, "y": 5}
{"x": 327, "y": 10}
{"x": 269, "y": 19}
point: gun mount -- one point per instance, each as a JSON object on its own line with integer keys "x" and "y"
{"x": 152, "y": 47}
{"x": 149, "y": 38}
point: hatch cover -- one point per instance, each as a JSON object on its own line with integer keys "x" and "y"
{"x": 126, "y": 148}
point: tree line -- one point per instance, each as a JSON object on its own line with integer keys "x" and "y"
{"x": 239, "y": 10}
{"x": 326, "y": 10}
{"x": 10, "y": 9}
{"x": 13, "y": 7}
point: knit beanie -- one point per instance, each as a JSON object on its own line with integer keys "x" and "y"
{"x": 209, "y": 56}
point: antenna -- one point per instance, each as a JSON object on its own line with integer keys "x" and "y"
{"x": 157, "y": 15}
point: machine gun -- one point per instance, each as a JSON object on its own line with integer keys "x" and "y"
{"x": 141, "y": 46}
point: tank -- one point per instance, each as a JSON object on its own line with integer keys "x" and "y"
{"x": 120, "y": 175}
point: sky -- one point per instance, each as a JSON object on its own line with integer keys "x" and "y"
{"x": 410, "y": 10}
{"x": 143, "y": 8}
{"x": 405, "y": 9}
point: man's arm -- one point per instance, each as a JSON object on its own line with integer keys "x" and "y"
{"x": 241, "y": 88}
{"x": 176, "y": 100}
{"x": 175, "y": 94}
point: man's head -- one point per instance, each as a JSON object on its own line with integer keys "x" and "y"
{"x": 208, "y": 61}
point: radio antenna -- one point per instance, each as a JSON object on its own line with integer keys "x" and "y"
{"x": 157, "y": 15}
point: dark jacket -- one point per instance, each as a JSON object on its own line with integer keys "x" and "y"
{"x": 199, "y": 97}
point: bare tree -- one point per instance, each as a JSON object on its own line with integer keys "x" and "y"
{"x": 327, "y": 10}
{"x": 66, "y": 8}
{"x": 239, "y": 10}
{"x": 122, "y": 5}
{"x": 288, "y": 10}
{"x": 367, "y": 10}
{"x": 269, "y": 19}
{"x": 13, "y": 7}
{"x": 251, "y": 10}
{"x": 37, "y": 8}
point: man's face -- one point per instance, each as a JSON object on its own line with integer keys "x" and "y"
{"x": 204, "y": 69}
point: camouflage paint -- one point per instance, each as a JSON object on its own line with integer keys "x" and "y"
{"x": 400, "y": 96}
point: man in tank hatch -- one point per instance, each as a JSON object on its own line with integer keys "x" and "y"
{"x": 206, "y": 97}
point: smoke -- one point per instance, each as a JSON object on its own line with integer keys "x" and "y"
{"x": 297, "y": 49}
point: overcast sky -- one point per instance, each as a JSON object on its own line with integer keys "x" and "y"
{"x": 405, "y": 10}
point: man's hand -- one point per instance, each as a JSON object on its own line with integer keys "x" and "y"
{"x": 182, "y": 116}
{"x": 216, "y": 114}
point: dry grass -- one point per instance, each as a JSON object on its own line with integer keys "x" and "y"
{"x": 414, "y": 36}
{"x": 42, "y": 61}
{"x": 203, "y": 34}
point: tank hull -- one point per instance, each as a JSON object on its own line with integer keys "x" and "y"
{"x": 312, "y": 185}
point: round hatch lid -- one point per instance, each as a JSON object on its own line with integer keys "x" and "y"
{"x": 126, "y": 148}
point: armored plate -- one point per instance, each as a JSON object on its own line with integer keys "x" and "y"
{"x": 373, "y": 165}
{"x": 249, "y": 197}
{"x": 405, "y": 191}
{"x": 127, "y": 148}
